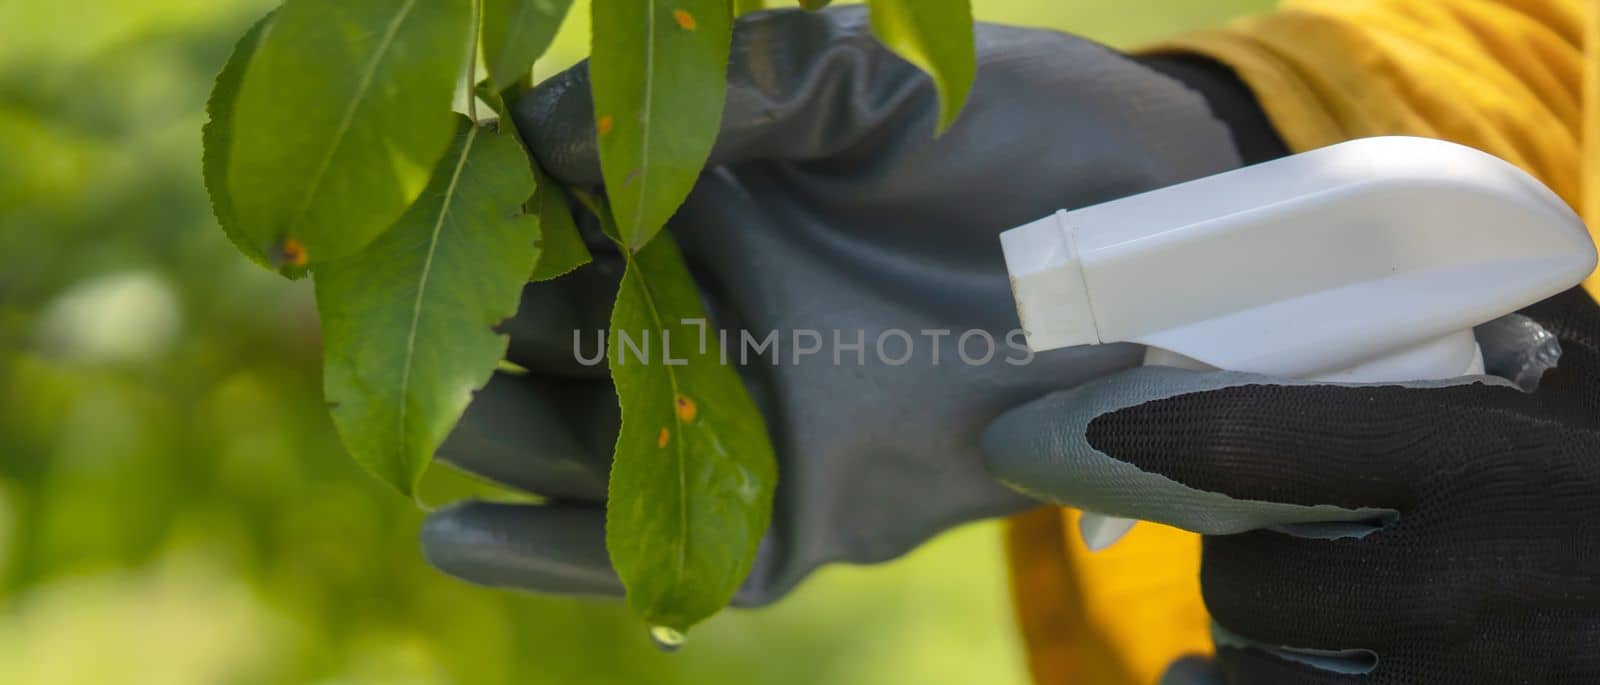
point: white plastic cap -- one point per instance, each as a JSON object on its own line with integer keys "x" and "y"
{"x": 1042, "y": 258}
{"x": 1307, "y": 263}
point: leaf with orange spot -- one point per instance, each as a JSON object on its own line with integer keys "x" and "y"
{"x": 340, "y": 117}
{"x": 687, "y": 409}
{"x": 291, "y": 253}
{"x": 659, "y": 68}
{"x": 693, "y": 475}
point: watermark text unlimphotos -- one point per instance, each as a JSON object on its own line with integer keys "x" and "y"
{"x": 891, "y": 347}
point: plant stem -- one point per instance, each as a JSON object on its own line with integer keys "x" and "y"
{"x": 472, "y": 62}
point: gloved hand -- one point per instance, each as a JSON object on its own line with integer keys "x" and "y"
{"x": 1440, "y": 532}
{"x": 829, "y": 206}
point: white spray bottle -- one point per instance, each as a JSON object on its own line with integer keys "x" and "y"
{"x": 1362, "y": 262}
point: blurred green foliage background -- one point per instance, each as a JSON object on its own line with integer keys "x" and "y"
{"x": 174, "y": 505}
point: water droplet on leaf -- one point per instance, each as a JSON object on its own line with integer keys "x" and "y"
{"x": 667, "y": 639}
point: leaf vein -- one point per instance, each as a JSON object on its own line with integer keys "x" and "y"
{"x": 644, "y": 138}
{"x": 422, "y": 288}
{"x": 348, "y": 118}
{"x": 683, "y": 437}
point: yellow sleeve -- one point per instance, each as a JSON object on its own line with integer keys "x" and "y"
{"x": 1113, "y": 617}
{"x": 1517, "y": 78}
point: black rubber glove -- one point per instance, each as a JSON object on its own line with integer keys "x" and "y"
{"x": 830, "y": 205}
{"x": 1429, "y": 533}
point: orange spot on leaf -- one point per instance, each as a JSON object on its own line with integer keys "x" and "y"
{"x": 292, "y": 253}
{"x": 663, "y": 438}
{"x": 684, "y": 19}
{"x": 686, "y": 409}
{"x": 604, "y": 124}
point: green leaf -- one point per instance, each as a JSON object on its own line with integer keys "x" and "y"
{"x": 692, "y": 480}
{"x": 216, "y": 138}
{"x": 814, "y": 5}
{"x": 561, "y": 247}
{"x": 743, "y": 7}
{"x": 510, "y": 368}
{"x": 515, "y": 33}
{"x": 935, "y": 35}
{"x": 340, "y": 116}
{"x": 489, "y": 95}
{"x": 658, "y": 73}
{"x": 408, "y": 324}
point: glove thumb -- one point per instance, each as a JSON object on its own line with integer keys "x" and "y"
{"x": 1215, "y": 453}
